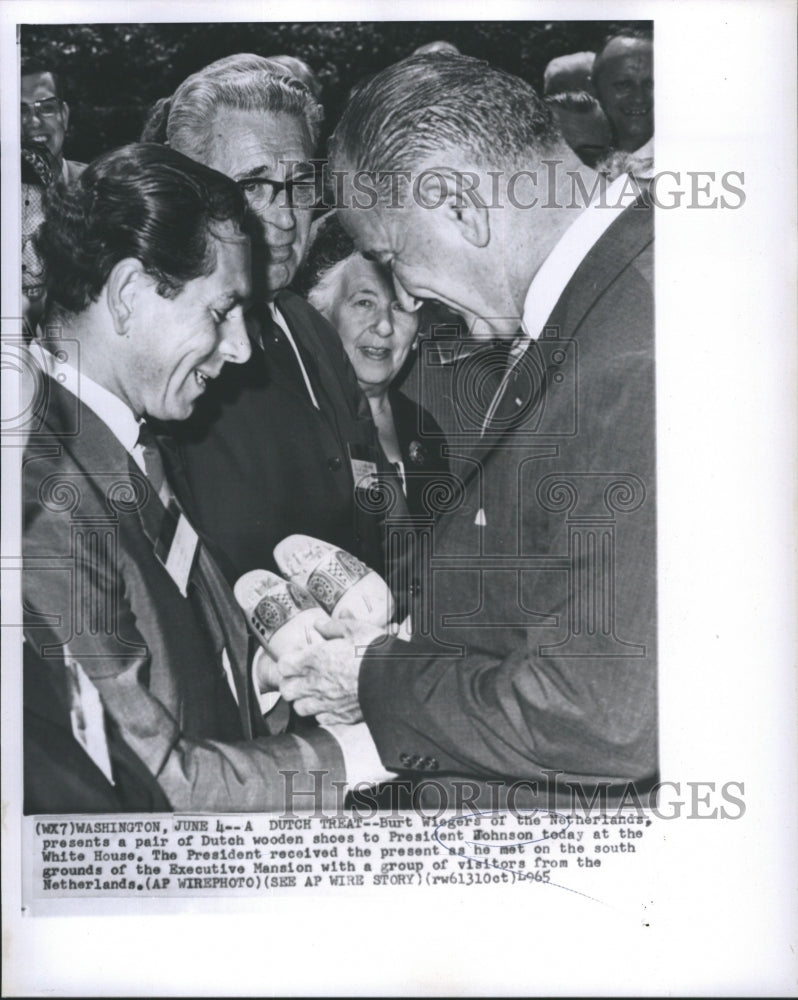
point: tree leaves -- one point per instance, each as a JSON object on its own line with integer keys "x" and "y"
{"x": 113, "y": 73}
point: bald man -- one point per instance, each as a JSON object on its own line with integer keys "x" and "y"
{"x": 623, "y": 75}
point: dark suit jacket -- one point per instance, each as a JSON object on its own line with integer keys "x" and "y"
{"x": 95, "y": 592}
{"x": 541, "y": 648}
{"x": 262, "y": 462}
{"x": 422, "y": 444}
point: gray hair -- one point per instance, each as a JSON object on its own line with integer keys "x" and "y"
{"x": 429, "y": 105}
{"x": 578, "y": 101}
{"x": 242, "y": 82}
{"x": 580, "y": 63}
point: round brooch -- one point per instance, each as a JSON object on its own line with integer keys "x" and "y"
{"x": 417, "y": 452}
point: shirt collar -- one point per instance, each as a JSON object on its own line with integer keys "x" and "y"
{"x": 568, "y": 253}
{"x": 556, "y": 271}
{"x": 115, "y": 414}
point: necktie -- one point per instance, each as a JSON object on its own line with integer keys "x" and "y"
{"x": 499, "y": 363}
{"x": 209, "y": 596}
{"x": 153, "y": 463}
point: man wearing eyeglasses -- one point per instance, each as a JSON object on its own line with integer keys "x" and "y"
{"x": 279, "y": 446}
{"x": 44, "y": 115}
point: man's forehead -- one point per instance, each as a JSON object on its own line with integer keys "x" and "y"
{"x": 232, "y": 248}
{"x": 627, "y": 52}
{"x": 248, "y": 142}
{"x": 38, "y": 82}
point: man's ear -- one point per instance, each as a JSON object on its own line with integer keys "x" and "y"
{"x": 455, "y": 193}
{"x": 65, "y": 114}
{"x": 125, "y": 284}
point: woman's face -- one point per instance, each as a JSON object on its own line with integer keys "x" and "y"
{"x": 376, "y": 334}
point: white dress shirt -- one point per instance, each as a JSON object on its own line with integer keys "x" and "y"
{"x": 558, "y": 268}
{"x": 279, "y": 319}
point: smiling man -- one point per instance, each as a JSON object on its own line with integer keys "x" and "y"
{"x": 139, "y": 693}
{"x": 44, "y": 114}
{"x": 623, "y": 75}
{"x": 534, "y": 657}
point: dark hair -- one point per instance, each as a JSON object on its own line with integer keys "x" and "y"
{"x": 154, "y": 128}
{"x": 429, "y": 105}
{"x": 31, "y": 66}
{"x": 573, "y": 100}
{"x": 330, "y": 245}
{"x": 144, "y": 201}
{"x": 39, "y": 166}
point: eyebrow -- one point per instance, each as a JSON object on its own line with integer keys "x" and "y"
{"x": 302, "y": 171}
{"x": 254, "y": 173}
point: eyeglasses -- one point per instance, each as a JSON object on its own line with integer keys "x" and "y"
{"x": 261, "y": 192}
{"x": 49, "y": 107}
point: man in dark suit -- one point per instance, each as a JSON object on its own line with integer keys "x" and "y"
{"x": 139, "y": 691}
{"x": 534, "y": 654}
{"x": 279, "y": 444}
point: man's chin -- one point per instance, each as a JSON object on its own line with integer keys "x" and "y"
{"x": 279, "y": 276}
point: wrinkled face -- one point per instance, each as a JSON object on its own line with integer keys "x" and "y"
{"x": 589, "y": 135}
{"x": 625, "y": 86}
{"x": 175, "y": 346}
{"x": 48, "y": 125}
{"x": 429, "y": 259}
{"x": 255, "y": 147}
{"x": 376, "y": 332}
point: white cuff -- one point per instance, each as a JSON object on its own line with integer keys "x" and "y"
{"x": 263, "y": 671}
{"x": 361, "y": 759}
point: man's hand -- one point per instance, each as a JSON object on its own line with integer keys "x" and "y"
{"x": 321, "y": 680}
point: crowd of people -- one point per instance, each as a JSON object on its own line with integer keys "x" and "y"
{"x": 457, "y": 392}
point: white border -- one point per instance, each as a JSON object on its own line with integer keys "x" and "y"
{"x": 721, "y": 918}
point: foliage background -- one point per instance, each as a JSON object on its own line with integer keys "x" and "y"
{"x": 113, "y": 73}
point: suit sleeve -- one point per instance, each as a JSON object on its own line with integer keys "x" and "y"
{"x": 517, "y": 715}
{"x": 61, "y": 588}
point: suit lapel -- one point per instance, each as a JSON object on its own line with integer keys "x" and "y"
{"x": 98, "y": 453}
{"x": 617, "y": 248}
{"x": 314, "y": 342}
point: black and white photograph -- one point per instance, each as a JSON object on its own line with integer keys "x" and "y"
{"x": 369, "y": 530}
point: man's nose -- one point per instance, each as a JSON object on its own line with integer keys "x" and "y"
{"x": 235, "y": 346}
{"x": 280, "y": 213}
{"x": 29, "y": 115}
{"x": 408, "y": 302}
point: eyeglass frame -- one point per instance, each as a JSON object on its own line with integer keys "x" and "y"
{"x": 276, "y": 187}
{"x": 28, "y": 111}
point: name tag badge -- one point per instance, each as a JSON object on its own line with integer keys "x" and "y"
{"x": 182, "y": 553}
{"x": 364, "y": 468}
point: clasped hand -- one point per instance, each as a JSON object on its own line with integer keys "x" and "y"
{"x": 322, "y": 680}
